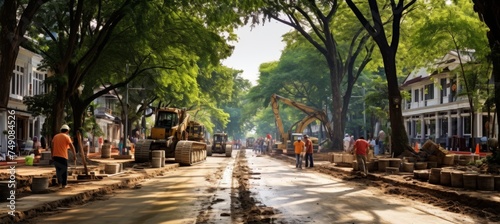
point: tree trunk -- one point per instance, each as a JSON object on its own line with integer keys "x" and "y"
{"x": 78, "y": 115}
{"x": 495, "y": 56}
{"x": 399, "y": 137}
{"x": 488, "y": 12}
{"x": 12, "y": 33}
{"x": 9, "y": 46}
{"x": 7, "y": 64}
{"x": 338, "y": 126}
{"x": 58, "y": 108}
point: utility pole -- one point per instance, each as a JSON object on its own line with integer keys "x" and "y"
{"x": 125, "y": 132}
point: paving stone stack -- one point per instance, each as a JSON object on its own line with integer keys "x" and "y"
{"x": 45, "y": 158}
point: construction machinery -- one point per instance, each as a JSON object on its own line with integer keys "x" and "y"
{"x": 249, "y": 142}
{"x": 312, "y": 114}
{"x": 219, "y": 145}
{"x": 176, "y": 135}
{"x": 196, "y": 131}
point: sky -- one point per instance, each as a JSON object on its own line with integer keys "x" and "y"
{"x": 256, "y": 46}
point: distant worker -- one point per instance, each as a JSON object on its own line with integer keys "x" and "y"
{"x": 351, "y": 143}
{"x": 347, "y": 142}
{"x": 361, "y": 150}
{"x": 374, "y": 146}
{"x": 309, "y": 151}
{"x": 381, "y": 139}
{"x": 269, "y": 141}
{"x": 299, "y": 146}
{"x": 60, "y": 145}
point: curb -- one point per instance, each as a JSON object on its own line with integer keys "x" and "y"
{"x": 84, "y": 195}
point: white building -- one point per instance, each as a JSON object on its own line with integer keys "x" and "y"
{"x": 435, "y": 109}
{"x": 27, "y": 81}
{"x": 107, "y": 117}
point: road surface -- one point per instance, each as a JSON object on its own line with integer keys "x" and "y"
{"x": 180, "y": 196}
{"x": 306, "y": 196}
{"x": 211, "y": 192}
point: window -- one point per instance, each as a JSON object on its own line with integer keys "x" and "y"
{"x": 429, "y": 91}
{"x": 467, "y": 125}
{"x": 17, "y": 82}
{"x": 444, "y": 89}
{"x": 416, "y": 96}
{"x": 37, "y": 87}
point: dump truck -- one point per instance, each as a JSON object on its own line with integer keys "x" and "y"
{"x": 220, "y": 146}
{"x": 171, "y": 134}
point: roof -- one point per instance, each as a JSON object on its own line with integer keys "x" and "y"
{"x": 447, "y": 63}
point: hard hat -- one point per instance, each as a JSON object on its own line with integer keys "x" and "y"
{"x": 299, "y": 138}
{"x": 65, "y": 126}
{"x": 306, "y": 136}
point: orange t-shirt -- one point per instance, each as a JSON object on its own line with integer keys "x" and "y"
{"x": 60, "y": 145}
{"x": 299, "y": 146}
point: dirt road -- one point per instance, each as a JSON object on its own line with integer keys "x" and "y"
{"x": 184, "y": 195}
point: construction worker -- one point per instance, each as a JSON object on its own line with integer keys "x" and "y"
{"x": 309, "y": 151}
{"x": 361, "y": 147}
{"x": 60, "y": 145}
{"x": 299, "y": 146}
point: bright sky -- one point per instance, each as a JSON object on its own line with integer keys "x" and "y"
{"x": 256, "y": 46}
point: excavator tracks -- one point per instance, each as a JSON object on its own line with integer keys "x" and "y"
{"x": 143, "y": 151}
{"x": 190, "y": 152}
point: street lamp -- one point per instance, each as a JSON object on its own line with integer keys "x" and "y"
{"x": 126, "y": 112}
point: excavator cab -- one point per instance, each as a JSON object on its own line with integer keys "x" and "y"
{"x": 165, "y": 121}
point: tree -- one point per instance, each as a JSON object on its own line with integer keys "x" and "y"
{"x": 454, "y": 26}
{"x": 13, "y": 30}
{"x": 235, "y": 127}
{"x": 341, "y": 42}
{"x": 297, "y": 75}
{"x": 90, "y": 33}
{"x": 489, "y": 11}
{"x": 82, "y": 31}
{"x": 376, "y": 29}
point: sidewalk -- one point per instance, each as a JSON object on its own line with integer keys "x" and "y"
{"x": 28, "y": 205}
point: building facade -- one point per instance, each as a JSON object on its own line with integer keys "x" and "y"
{"x": 436, "y": 110}
{"x": 27, "y": 80}
{"x": 107, "y": 116}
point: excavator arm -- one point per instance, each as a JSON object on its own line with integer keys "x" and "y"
{"x": 279, "y": 122}
{"x": 304, "y": 122}
{"x": 312, "y": 114}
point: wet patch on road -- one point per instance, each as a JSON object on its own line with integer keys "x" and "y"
{"x": 250, "y": 210}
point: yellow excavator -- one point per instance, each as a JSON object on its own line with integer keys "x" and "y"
{"x": 171, "y": 133}
{"x": 196, "y": 131}
{"x": 312, "y": 115}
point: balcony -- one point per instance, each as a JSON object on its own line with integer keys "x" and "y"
{"x": 104, "y": 112}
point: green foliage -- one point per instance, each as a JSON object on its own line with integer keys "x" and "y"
{"x": 445, "y": 27}
{"x": 40, "y": 104}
